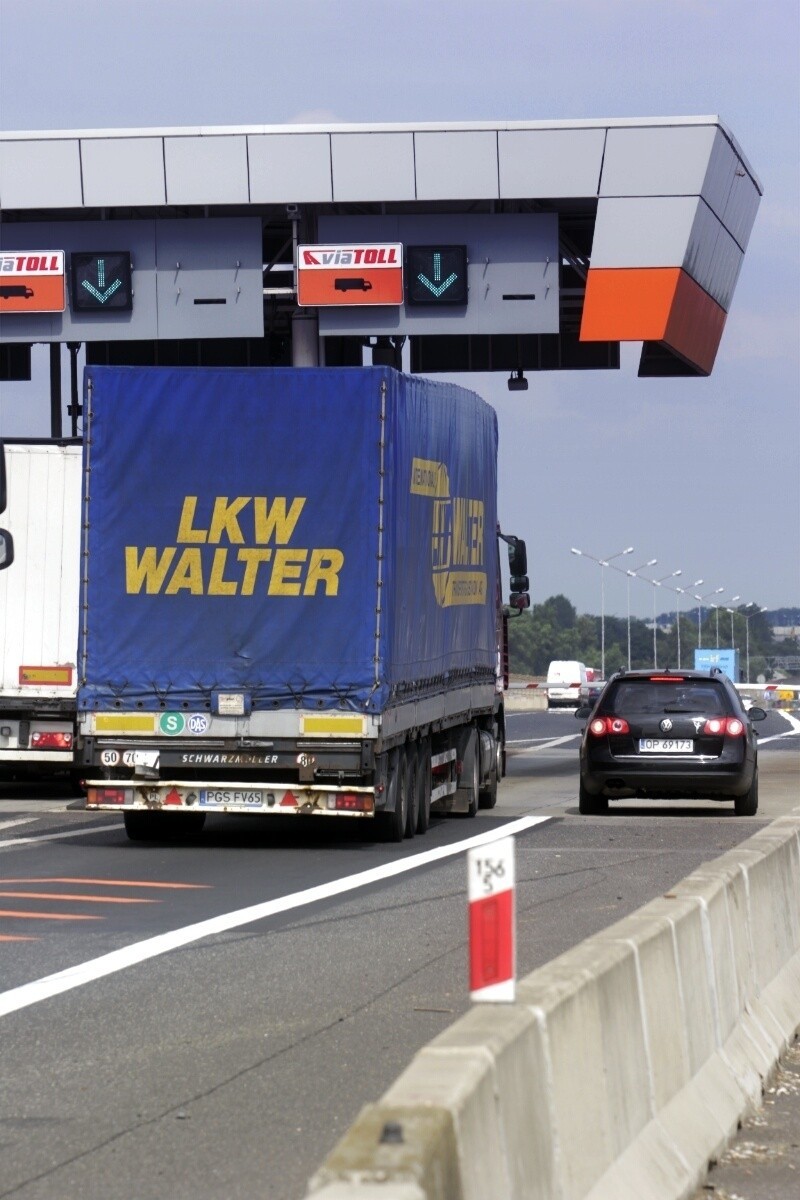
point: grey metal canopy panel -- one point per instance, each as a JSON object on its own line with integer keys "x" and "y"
{"x": 675, "y": 197}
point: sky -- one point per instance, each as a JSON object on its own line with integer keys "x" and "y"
{"x": 701, "y": 474}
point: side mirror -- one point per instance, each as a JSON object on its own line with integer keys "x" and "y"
{"x": 517, "y": 557}
{"x": 7, "y": 551}
{"x": 584, "y": 711}
{"x": 757, "y": 714}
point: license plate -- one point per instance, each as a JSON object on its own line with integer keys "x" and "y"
{"x": 212, "y": 797}
{"x": 666, "y": 746}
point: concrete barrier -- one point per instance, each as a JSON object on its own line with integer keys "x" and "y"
{"x": 622, "y": 1069}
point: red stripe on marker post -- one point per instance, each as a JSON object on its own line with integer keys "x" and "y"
{"x": 492, "y": 950}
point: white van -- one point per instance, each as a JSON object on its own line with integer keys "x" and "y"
{"x": 566, "y": 683}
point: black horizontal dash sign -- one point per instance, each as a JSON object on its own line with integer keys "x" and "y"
{"x": 512, "y": 296}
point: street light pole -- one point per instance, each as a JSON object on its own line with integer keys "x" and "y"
{"x": 747, "y": 617}
{"x": 700, "y": 614}
{"x": 682, "y": 592}
{"x": 632, "y": 575}
{"x": 603, "y": 563}
{"x": 657, "y": 583}
{"x": 732, "y": 600}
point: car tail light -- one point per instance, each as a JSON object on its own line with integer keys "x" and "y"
{"x": 600, "y": 726}
{"x": 720, "y": 726}
{"x": 666, "y": 679}
{"x": 51, "y": 741}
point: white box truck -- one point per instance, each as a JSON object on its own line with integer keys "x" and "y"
{"x": 39, "y": 603}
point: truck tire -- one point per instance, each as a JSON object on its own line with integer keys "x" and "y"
{"x": 470, "y": 780}
{"x": 488, "y": 795}
{"x": 412, "y": 778}
{"x": 424, "y": 785}
{"x": 393, "y": 824}
{"x": 747, "y": 805}
{"x": 162, "y": 827}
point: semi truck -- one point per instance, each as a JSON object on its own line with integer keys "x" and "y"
{"x": 290, "y": 597}
{"x": 39, "y": 595}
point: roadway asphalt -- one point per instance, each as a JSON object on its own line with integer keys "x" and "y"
{"x": 230, "y": 1063}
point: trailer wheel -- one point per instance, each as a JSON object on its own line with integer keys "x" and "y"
{"x": 424, "y": 785}
{"x": 470, "y": 781}
{"x": 162, "y": 827}
{"x": 488, "y": 795}
{"x": 393, "y": 824}
{"x": 412, "y": 784}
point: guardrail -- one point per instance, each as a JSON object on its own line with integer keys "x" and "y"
{"x": 623, "y": 1067}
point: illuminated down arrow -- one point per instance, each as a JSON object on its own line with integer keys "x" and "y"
{"x": 437, "y": 287}
{"x": 101, "y": 292}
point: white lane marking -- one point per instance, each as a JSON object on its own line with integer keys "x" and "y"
{"x": 570, "y": 737}
{"x": 7, "y": 843}
{"x": 128, "y": 956}
{"x": 795, "y": 729}
{"x": 19, "y": 821}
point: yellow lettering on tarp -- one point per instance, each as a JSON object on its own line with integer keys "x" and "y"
{"x": 188, "y": 575}
{"x": 464, "y": 587}
{"x": 287, "y": 569}
{"x": 223, "y": 519}
{"x": 247, "y": 522}
{"x": 324, "y": 567}
{"x": 457, "y": 536}
{"x": 429, "y": 478}
{"x": 186, "y": 531}
{"x": 217, "y": 585}
{"x": 149, "y": 570}
{"x": 252, "y": 558}
{"x": 273, "y": 519}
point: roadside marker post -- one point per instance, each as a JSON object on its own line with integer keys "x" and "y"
{"x": 492, "y": 927}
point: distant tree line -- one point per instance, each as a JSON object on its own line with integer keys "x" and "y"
{"x": 554, "y": 629}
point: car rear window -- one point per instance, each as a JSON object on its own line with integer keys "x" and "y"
{"x": 645, "y": 696}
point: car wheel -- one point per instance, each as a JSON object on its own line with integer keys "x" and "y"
{"x": 143, "y": 826}
{"x": 591, "y": 805}
{"x": 747, "y": 805}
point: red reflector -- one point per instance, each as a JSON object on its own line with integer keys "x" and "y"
{"x": 352, "y": 802}
{"x": 173, "y": 797}
{"x": 289, "y": 800}
{"x": 107, "y": 795}
{"x": 666, "y": 678}
{"x": 51, "y": 741}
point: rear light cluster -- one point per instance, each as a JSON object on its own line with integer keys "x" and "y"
{"x": 109, "y": 795}
{"x": 722, "y": 726}
{"x": 51, "y": 741}
{"x": 601, "y": 726}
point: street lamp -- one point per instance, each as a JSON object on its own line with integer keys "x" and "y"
{"x": 747, "y": 617}
{"x": 603, "y": 563}
{"x": 700, "y": 614}
{"x": 732, "y": 600}
{"x": 681, "y": 592}
{"x": 657, "y": 583}
{"x": 632, "y": 575}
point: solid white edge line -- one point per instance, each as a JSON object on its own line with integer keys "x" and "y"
{"x": 119, "y": 960}
{"x": 7, "y": 843}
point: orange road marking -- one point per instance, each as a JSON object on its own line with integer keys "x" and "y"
{"x": 82, "y": 899}
{"x": 40, "y": 916}
{"x": 133, "y": 883}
